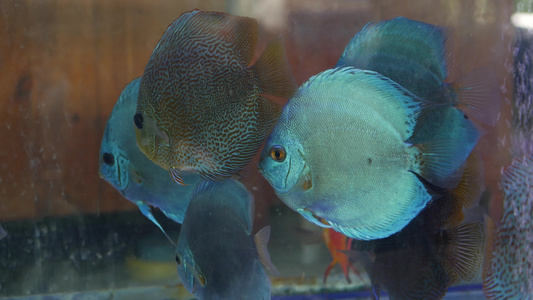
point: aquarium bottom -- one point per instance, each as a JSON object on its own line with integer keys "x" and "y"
{"x": 471, "y": 292}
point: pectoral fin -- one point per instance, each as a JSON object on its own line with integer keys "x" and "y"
{"x": 176, "y": 175}
{"x": 151, "y": 127}
{"x": 305, "y": 181}
{"x": 261, "y": 241}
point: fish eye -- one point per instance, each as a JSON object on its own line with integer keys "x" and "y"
{"x": 138, "y": 120}
{"x": 277, "y": 153}
{"x": 179, "y": 260}
{"x": 108, "y": 159}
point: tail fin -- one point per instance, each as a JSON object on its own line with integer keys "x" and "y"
{"x": 441, "y": 163}
{"x": 444, "y": 156}
{"x": 464, "y": 254}
{"x": 478, "y": 95}
{"x": 274, "y": 72}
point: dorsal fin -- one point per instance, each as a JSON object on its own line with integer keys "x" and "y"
{"x": 200, "y": 28}
{"x": 130, "y": 92}
{"x": 478, "y": 95}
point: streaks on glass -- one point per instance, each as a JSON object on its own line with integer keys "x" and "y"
{"x": 3, "y": 233}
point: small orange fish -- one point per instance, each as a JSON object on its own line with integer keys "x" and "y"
{"x": 337, "y": 242}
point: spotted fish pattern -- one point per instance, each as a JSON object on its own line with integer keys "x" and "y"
{"x": 201, "y": 105}
{"x": 509, "y": 270}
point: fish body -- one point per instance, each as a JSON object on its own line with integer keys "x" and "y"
{"x": 509, "y": 266}
{"x": 217, "y": 255}
{"x": 130, "y": 172}
{"x": 337, "y": 243}
{"x": 438, "y": 248}
{"x": 201, "y": 104}
{"x": 340, "y": 154}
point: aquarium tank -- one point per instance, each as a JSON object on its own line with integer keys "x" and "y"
{"x": 266, "y": 149}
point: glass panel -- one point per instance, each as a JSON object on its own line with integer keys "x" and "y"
{"x": 66, "y": 233}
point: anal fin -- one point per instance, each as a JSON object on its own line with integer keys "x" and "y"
{"x": 147, "y": 212}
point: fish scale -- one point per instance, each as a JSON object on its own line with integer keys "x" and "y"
{"x": 509, "y": 270}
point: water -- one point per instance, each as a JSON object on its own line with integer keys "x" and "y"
{"x": 66, "y": 232}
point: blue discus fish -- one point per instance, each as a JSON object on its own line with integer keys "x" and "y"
{"x": 438, "y": 248}
{"x": 217, "y": 255}
{"x": 129, "y": 171}
{"x": 417, "y": 56}
{"x": 509, "y": 264}
{"x": 340, "y": 154}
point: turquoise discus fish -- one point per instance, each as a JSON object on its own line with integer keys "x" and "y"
{"x": 128, "y": 170}
{"x": 417, "y": 56}
{"x": 340, "y": 154}
{"x": 202, "y": 105}
{"x": 217, "y": 255}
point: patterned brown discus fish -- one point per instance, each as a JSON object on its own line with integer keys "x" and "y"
{"x": 201, "y": 104}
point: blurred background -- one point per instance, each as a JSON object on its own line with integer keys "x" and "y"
{"x": 63, "y": 65}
